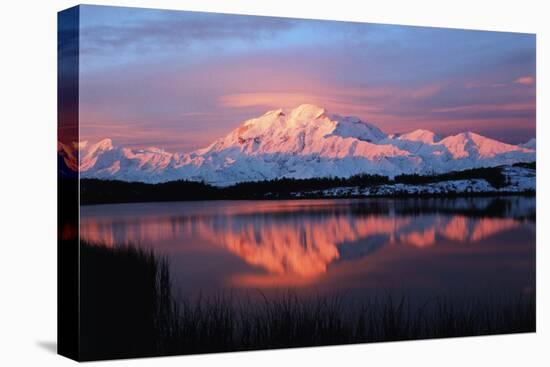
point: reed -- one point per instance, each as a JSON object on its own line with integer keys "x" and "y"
{"x": 129, "y": 310}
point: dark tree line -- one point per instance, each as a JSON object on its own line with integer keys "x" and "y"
{"x": 94, "y": 191}
{"x": 530, "y": 165}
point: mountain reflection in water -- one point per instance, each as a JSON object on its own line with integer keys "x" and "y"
{"x": 296, "y": 242}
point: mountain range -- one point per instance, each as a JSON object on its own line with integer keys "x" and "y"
{"x": 303, "y": 142}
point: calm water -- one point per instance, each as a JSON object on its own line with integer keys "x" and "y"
{"x": 415, "y": 246}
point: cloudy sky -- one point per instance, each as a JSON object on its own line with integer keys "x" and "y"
{"x": 179, "y": 80}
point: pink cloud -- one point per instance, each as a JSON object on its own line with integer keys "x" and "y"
{"x": 477, "y": 84}
{"x": 489, "y": 107}
{"x": 525, "y": 80}
{"x": 290, "y": 100}
{"x": 267, "y": 99}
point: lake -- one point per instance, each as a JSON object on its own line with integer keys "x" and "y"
{"x": 416, "y": 247}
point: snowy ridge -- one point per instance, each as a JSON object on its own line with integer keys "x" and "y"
{"x": 520, "y": 180}
{"x": 303, "y": 142}
{"x": 531, "y": 144}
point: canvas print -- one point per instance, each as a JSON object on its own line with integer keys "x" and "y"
{"x": 233, "y": 182}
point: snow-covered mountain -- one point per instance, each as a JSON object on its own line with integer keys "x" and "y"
{"x": 303, "y": 142}
{"x": 531, "y": 144}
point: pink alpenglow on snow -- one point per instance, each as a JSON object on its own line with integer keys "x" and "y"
{"x": 303, "y": 142}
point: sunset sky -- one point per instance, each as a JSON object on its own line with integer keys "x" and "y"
{"x": 178, "y": 80}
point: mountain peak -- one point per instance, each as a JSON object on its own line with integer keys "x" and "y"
{"x": 420, "y": 135}
{"x": 307, "y": 111}
{"x": 90, "y": 151}
{"x": 105, "y": 144}
{"x": 531, "y": 144}
{"x": 272, "y": 123}
{"x": 472, "y": 135}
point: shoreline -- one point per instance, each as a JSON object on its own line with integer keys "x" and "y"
{"x": 399, "y": 196}
{"x": 344, "y": 197}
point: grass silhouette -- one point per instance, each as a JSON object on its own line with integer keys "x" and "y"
{"x": 128, "y": 309}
